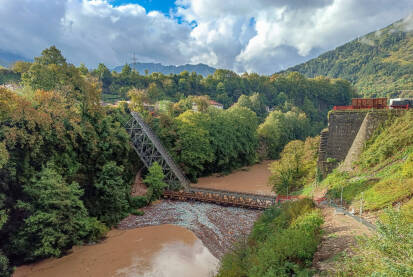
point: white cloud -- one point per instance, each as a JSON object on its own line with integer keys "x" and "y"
{"x": 262, "y": 35}
{"x": 298, "y": 29}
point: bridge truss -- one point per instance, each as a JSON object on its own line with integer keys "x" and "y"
{"x": 150, "y": 149}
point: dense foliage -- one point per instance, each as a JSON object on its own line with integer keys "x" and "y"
{"x": 296, "y": 167}
{"x": 389, "y": 252}
{"x": 65, "y": 162}
{"x": 383, "y": 174}
{"x": 282, "y": 243}
{"x": 279, "y": 128}
{"x": 378, "y": 64}
{"x": 209, "y": 141}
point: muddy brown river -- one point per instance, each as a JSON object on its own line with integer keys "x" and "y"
{"x": 164, "y": 250}
{"x": 171, "y": 239}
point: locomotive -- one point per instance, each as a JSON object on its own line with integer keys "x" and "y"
{"x": 401, "y": 102}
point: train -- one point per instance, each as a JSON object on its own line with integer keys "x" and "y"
{"x": 377, "y": 103}
{"x": 401, "y": 102}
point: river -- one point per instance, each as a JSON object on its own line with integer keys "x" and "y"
{"x": 171, "y": 239}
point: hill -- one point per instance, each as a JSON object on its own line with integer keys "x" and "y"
{"x": 7, "y": 58}
{"x": 202, "y": 69}
{"x": 378, "y": 64}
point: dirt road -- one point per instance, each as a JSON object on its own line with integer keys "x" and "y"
{"x": 340, "y": 232}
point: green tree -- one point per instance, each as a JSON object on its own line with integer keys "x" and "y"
{"x": 4, "y": 155}
{"x": 154, "y": 180}
{"x": 193, "y": 148}
{"x": 279, "y": 128}
{"x": 50, "y": 56}
{"x": 57, "y": 218}
{"x": 104, "y": 75}
{"x": 110, "y": 202}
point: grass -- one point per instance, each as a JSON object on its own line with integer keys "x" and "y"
{"x": 384, "y": 174}
{"x": 282, "y": 243}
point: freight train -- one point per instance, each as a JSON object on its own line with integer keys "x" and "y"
{"x": 377, "y": 103}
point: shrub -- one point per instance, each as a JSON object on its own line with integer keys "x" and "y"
{"x": 138, "y": 202}
{"x": 138, "y": 212}
{"x": 387, "y": 253}
{"x": 5, "y": 270}
{"x": 282, "y": 243}
{"x": 154, "y": 180}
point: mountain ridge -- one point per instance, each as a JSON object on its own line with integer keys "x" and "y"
{"x": 200, "y": 68}
{"x": 378, "y": 64}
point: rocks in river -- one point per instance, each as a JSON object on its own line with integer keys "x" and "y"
{"x": 216, "y": 226}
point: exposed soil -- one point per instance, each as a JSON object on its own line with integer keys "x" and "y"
{"x": 340, "y": 232}
{"x": 138, "y": 188}
{"x": 165, "y": 250}
{"x": 216, "y": 226}
{"x": 252, "y": 179}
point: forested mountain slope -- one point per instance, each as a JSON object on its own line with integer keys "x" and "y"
{"x": 201, "y": 69}
{"x": 378, "y": 64}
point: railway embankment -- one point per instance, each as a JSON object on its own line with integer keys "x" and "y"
{"x": 347, "y": 132}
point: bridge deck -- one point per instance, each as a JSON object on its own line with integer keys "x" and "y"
{"x": 227, "y": 198}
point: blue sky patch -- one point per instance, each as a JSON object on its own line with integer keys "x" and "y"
{"x": 163, "y": 6}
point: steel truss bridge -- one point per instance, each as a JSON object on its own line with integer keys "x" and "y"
{"x": 150, "y": 149}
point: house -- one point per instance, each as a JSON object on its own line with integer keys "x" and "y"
{"x": 211, "y": 103}
{"x": 216, "y": 104}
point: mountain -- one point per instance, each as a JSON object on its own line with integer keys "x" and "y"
{"x": 202, "y": 69}
{"x": 378, "y": 64}
{"x": 7, "y": 58}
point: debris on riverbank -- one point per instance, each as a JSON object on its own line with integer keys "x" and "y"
{"x": 216, "y": 226}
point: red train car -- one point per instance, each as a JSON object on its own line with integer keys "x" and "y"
{"x": 369, "y": 103}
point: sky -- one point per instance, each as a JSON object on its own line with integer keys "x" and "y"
{"x": 263, "y": 36}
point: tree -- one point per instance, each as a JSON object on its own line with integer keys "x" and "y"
{"x": 21, "y": 67}
{"x": 110, "y": 201}
{"x": 138, "y": 97}
{"x": 296, "y": 166}
{"x": 279, "y": 128}
{"x": 83, "y": 69}
{"x": 154, "y": 180}
{"x": 57, "y": 218}
{"x": 4, "y": 155}
{"x": 193, "y": 148}
{"x": 104, "y": 76}
{"x": 49, "y": 56}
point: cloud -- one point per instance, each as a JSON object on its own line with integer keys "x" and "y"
{"x": 284, "y": 32}
{"x": 262, "y": 36}
{"x": 91, "y": 31}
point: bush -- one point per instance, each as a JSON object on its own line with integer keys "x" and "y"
{"x": 138, "y": 202}
{"x": 387, "y": 253}
{"x": 138, "y": 212}
{"x": 154, "y": 180}
{"x": 282, "y": 243}
{"x": 5, "y": 270}
{"x": 57, "y": 218}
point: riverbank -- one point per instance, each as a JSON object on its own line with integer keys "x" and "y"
{"x": 216, "y": 226}
{"x": 164, "y": 250}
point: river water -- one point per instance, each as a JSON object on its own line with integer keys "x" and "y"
{"x": 171, "y": 239}
{"x": 164, "y": 250}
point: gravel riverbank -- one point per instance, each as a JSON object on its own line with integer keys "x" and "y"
{"x": 216, "y": 226}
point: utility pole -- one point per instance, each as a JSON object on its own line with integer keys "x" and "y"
{"x": 134, "y": 61}
{"x": 361, "y": 204}
{"x": 341, "y": 197}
